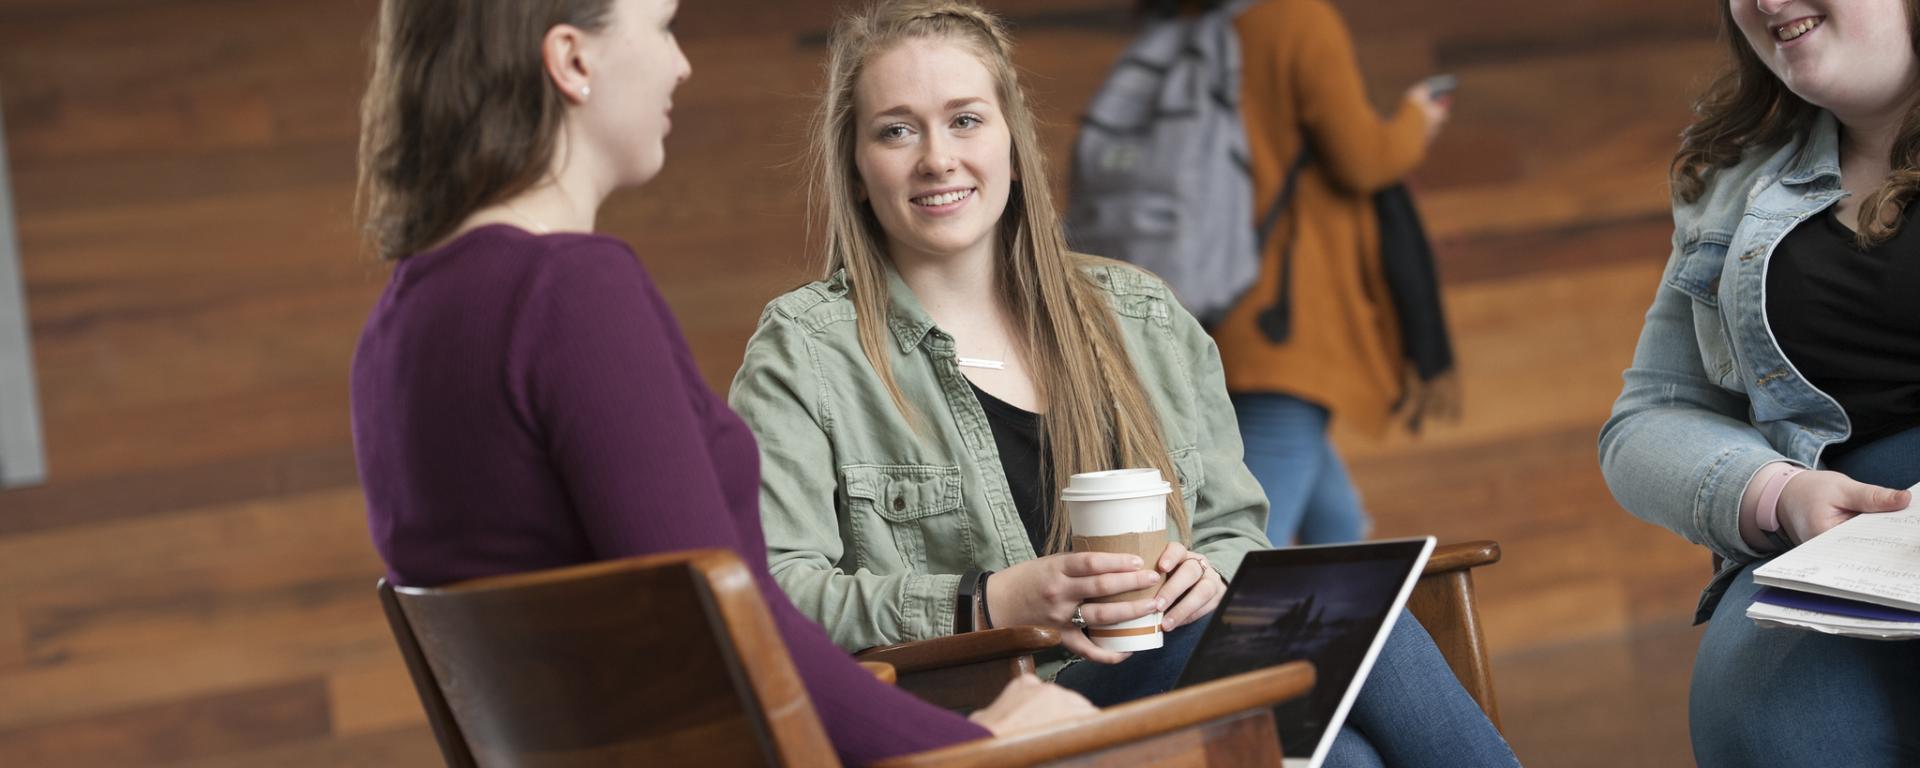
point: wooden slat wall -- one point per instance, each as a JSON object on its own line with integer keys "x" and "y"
{"x": 193, "y": 585}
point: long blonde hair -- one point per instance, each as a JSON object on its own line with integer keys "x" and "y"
{"x": 1097, "y": 414}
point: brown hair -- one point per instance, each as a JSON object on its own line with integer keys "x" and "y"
{"x": 459, "y": 112}
{"x": 1746, "y": 107}
{"x": 1098, "y": 415}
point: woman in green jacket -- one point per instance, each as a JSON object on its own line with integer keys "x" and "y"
{"x": 919, "y": 408}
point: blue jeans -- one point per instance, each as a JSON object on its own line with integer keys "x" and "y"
{"x": 1411, "y": 711}
{"x": 1790, "y": 697}
{"x": 1310, "y": 498}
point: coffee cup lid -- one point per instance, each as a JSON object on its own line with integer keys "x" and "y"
{"x": 1115, "y": 484}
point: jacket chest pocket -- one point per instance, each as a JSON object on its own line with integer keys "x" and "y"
{"x": 1698, "y": 276}
{"x": 908, "y": 518}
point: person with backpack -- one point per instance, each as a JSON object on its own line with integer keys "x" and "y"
{"x": 1342, "y": 349}
{"x": 919, "y": 407}
{"x": 1288, "y": 274}
{"x": 1342, "y": 353}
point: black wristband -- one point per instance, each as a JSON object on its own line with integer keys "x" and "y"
{"x": 963, "y": 601}
{"x": 980, "y": 596}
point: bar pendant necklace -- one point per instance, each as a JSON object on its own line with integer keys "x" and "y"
{"x": 984, "y": 363}
{"x": 980, "y": 362}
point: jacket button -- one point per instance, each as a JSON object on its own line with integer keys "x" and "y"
{"x": 899, "y": 503}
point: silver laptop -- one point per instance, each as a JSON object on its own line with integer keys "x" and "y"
{"x": 1332, "y": 605}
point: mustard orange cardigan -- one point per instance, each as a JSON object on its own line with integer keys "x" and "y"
{"x": 1300, "y": 80}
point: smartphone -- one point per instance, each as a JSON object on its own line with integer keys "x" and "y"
{"x": 1441, "y": 86}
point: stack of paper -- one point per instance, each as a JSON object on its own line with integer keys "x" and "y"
{"x": 1859, "y": 579}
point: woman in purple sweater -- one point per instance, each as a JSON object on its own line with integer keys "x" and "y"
{"x": 495, "y": 416}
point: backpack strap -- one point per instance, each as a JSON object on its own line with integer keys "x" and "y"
{"x": 1272, "y": 217}
{"x": 1276, "y": 322}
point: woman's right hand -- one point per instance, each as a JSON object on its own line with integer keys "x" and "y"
{"x": 1045, "y": 591}
{"x": 1026, "y": 703}
{"x": 1814, "y": 502}
{"x": 1436, "y": 109}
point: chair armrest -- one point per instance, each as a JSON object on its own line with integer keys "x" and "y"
{"x": 882, "y": 671}
{"x": 1131, "y": 722}
{"x": 1461, "y": 557}
{"x": 968, "y": 648}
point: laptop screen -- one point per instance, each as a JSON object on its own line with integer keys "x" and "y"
{"x": 1326, "y": 605}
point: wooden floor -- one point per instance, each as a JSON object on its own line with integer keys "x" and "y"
{"x": 194, "y": 585}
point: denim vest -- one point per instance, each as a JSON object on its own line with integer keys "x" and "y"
{"x": 869, "y": 524}
{"x": 1711, "y": 398}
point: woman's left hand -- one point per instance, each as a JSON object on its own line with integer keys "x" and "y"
{"x": 1192, "y": 589}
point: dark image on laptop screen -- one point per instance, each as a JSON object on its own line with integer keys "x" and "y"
{"x": 1323, "y": 610}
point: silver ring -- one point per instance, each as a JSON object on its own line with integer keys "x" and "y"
{"x": 1078, "y": 621}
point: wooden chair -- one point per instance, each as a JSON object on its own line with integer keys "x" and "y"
{"x": 964, "y": 672}
{"x": 673, "y": 659}
{"x": 1443, "y": 602}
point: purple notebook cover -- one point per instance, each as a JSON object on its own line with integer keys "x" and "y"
{"x": 1838, "y": 606}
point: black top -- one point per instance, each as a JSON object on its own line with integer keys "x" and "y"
{"x": 1849, "y": 319}
{"x": 1016, "y": 433}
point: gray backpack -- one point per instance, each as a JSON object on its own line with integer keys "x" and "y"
{"x": 1160, "y": 174}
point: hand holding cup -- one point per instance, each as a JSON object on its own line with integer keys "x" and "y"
{"x": 1192, "y": 589}
{"x": 1045, "y": 591}
{"x": 1124, "y": 512}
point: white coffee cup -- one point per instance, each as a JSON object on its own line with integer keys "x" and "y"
{"x": 1121, "y": 510}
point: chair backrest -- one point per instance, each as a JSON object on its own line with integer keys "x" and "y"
{"x": 663, "y": 660}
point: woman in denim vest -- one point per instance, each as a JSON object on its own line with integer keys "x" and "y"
{"x": 1775, "y": 391}
{"x": 901, "y": 402}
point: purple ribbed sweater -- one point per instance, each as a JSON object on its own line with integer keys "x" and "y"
{"x": 523, "y": 402}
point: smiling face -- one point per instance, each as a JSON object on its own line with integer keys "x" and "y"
{"x": 932, "y": 148}
{"x": 1847, "y": 56}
